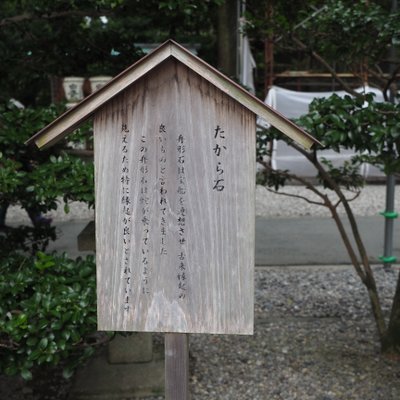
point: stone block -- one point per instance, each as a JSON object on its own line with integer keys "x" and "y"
{"x": 134, "y": 348}
{"x": 100, "y": 380}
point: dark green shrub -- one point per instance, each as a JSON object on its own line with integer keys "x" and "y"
{"x": 47, "y": 313}
{"x": 35, "y": 178}
{"x": 38, "y": 179}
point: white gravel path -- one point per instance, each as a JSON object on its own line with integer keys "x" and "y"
{"x": 370, "y": 202}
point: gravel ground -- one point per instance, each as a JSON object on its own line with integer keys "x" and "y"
{"x": 314, "y": 334}
{"x": 370, "y": 202}
{"x": 314, "y": 339}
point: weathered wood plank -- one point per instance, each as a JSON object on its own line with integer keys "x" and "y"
{"x": 177, "y": 366}
{"x": 189, "y": 225}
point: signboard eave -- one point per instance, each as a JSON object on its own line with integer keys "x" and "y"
{"x": 87, "y": 107}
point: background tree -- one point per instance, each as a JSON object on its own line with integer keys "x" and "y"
{"x": 42, "y": 38}
{"x": 362, "y": 34}
{"x": 39, "y": 39}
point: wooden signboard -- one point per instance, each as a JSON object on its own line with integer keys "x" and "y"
{"x": 175, "y": 187}
{"x": 175, "y": 175}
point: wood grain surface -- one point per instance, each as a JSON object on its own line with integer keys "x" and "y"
{"x": 183, "y": 237}
{"x": 177, "y": 366}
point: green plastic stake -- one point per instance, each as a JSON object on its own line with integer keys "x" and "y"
{"x": 388, "y": 260}
{"x": 389, "y": 214}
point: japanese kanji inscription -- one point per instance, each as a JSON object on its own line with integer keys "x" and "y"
{"x": 177, "y": 207}
{"x": 175, "y": 192}
{"x": 174, "y": 180}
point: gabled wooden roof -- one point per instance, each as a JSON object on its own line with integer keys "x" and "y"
{"x": 72, "y": 118}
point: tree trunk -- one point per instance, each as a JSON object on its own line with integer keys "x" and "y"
{"x": 391, "y": 342}
{"x": 269, "y": 50}
{"x": 366, "y": 274}
{"x": 228, "y": 37}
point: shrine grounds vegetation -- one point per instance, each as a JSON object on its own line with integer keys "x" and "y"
{"x": 37, "y": 179}
{"x": 356, "y": 122}
{"x": 47, "y": 302}
{"x": 372, "y": 130}
{"x": 48, "y": 312}
{"x": 47, "y": 307}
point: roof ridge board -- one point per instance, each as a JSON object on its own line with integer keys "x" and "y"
{"x": 69, "y": 120}
{"x": 96, "y": 99}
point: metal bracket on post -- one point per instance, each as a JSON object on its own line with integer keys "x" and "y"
{"x": 177, "y": 366}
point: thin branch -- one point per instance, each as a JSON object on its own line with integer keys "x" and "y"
{"x": 296, "y": 196}
{"x": 10, "y": 344}
{"x": 391, "y": 113}
{"x": 337, "y": 204}
{"x": 379, "y": 69}
{"x": 322, "y": 61}
{"x": 59, "y": 14}
{"x": 392, "y": 79}
{"x": 357, "y": 194}
{"x": 301, "y": 24}
{"x": 312, "y": 158}
{"x": 364, "y": 270}
{"x": 377, "y": 75}
{"x": 294, "y": 177}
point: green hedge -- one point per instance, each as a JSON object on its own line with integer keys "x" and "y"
{"x": 47, "y": 313}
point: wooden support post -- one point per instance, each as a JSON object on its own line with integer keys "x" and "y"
{"x": 177, "y": 366}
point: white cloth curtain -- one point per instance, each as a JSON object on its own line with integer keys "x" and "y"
{"x": 293, "y": 104}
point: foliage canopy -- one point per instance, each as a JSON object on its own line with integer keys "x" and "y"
{"x": 39, "y": 39}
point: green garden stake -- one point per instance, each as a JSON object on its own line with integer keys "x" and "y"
{"x": 388, "y": 260}
{"x": 389, "y": 214}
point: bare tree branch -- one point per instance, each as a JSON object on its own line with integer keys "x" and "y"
{"x": 296, "y": 178}
{"x": 296, "y": 196}
{"x": 352, "y": 254}
{"x": 9, "y": 344}
{"x": 391, "y": 81}
{"x": 356, "y": 194}
{"x": 378, "y": 74}
{"x": 322, "y": 61}
{"x": 311, "y": 157}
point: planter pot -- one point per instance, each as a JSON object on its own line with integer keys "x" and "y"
{"x": 97, "y": 82}
{"x": 73, "y": 89}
